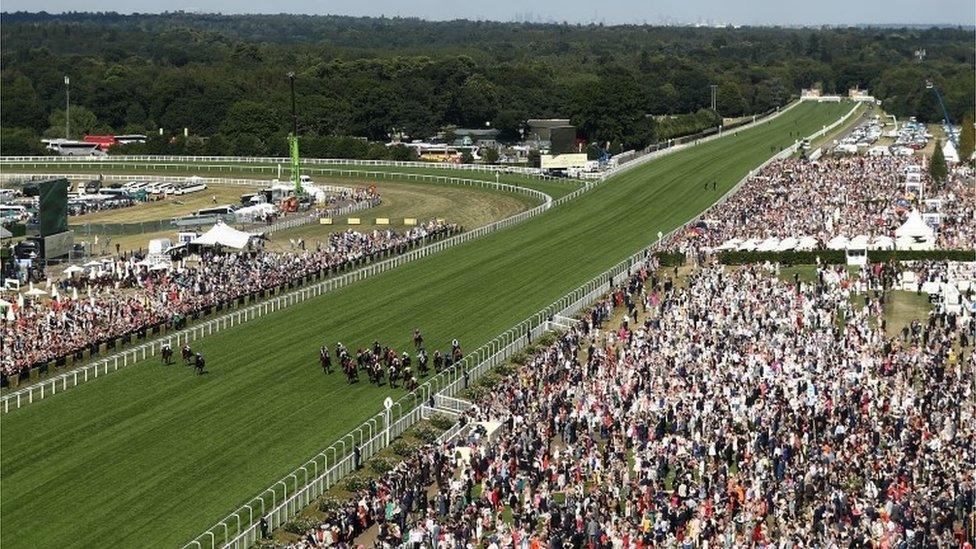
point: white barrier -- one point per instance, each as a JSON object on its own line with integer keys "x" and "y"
{"x": 284, "y": 162}
{"x": 338, "y": 459}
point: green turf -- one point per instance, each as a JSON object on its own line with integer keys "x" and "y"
{"x": 553, "y": 187}
{"x": 151, "y": 456}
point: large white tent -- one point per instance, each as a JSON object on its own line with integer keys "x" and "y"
{"x": 859, "y": 242}
{"x": 949, "y": 152}
{"x": 729, "y": 244}
{"x": 787, "y": 244}
{"x": 806, "y": 243}
{"x": 838, "y": 242}
{"x": 223, "y": 235}
{"x": 257, "y": 211}
{"x": 768, "y": 245}
{"x": 914, "y": 234}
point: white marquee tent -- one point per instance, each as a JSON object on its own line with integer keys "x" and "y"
{"x": 223, "y": 235}
{"x": 915, "y": 234}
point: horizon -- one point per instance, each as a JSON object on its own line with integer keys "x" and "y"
{"x": 762, "y": 13}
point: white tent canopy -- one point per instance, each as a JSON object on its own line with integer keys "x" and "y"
{"x": 749, "y": 245}
{"x": 249, "y": 213}
{"x": 787, "y": 244}
{"x": 882, "y": 242}
{"x": 806, "y": 243}
{"x": 949, "y": 152}
{"x": 915, "y": 226}
{"x": 768, "y": 245}
{"x": 839, "y": 242}
{"x": 730, "y": 244}
{"x": 223, "y": 235}
{"x": 859, "y": 242}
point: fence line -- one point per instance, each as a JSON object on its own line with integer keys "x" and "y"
{"x": 340, "y": 458}
{"x": 284, "y": 163}
{"x": 72, "y": 378}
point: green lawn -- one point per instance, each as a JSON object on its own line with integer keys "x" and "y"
{"x": 152, "y": 456}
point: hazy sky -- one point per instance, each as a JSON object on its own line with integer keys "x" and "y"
{"x": 787, "y": 12}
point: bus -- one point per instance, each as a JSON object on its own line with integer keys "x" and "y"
{"x": 217, "y": 210}
{"x": 12, "y": 212}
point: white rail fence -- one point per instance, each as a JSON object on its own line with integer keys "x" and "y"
{"x": 341, "y": 457}
{"x": 284, "y": 161}
{"x": 103, "y": 366}
{"x": 194, "y": 169}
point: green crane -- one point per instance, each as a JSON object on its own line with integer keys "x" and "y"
{"x": 296, "y": 176}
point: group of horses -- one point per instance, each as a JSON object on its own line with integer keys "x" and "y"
{"x": 189, "y": 357}
{"x": 382, "y": 363}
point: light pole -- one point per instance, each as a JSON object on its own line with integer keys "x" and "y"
{"x": 67, "y": 107}
{"x": 714, "y": 87}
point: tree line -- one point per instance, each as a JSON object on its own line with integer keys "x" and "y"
{"x": 223, "y": 77}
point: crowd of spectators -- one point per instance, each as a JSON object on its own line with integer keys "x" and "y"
{"x": 732, "y": 408}
{"x": 126, "y": 297}
{"x": 849, "y": 196}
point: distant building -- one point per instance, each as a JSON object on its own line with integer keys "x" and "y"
{"x": 466, "y": 137}
{"x": 857, "y": 94}
{"x": 540, "y": 129}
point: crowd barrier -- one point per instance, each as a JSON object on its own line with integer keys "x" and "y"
{"x": 374, "y": 434}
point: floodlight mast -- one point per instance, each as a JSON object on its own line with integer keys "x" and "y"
{"x": 945, "y": 112}
{"x": 296, "y": 177}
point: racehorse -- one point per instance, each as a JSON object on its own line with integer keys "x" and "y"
{"x": 375, "y": 373}
{"x": 199, "y": 364}
{"x": 187, "y": 354}
{"x": 352, "y": 373}
{"x": 167, "y": 354}
{"x": 411, "y": 384}
{"x": 393, "y": 376}
{"x": 418, "y": 338}
{"x": 325, "y": 359}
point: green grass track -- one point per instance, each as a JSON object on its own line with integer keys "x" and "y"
{"x": 153, "y": 455}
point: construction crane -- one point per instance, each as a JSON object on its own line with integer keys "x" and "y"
{"x": 296, "y": 177}
{"x": 945, "y": 113}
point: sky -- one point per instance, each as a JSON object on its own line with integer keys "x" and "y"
{"x": 739, "y": 12}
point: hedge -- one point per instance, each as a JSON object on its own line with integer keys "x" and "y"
{"x": 839, "y": 256}
{"x": 670, "y": 259}
{"x": 16, "y": 229}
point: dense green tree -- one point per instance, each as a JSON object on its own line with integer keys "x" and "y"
{"x": 81, "y": 121}
{"x": 508, "y": 122}
{"x": 937, "y": 166}
{"x": 248, "y": 144}
{"x": 370, "y": 78}
{"x": 21, "y": 106}
{"x": 20, "y": 142}
{"x": 250, "y": 118}
{"x": 490, "y": 155}
{"x": 967, "y": 139}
